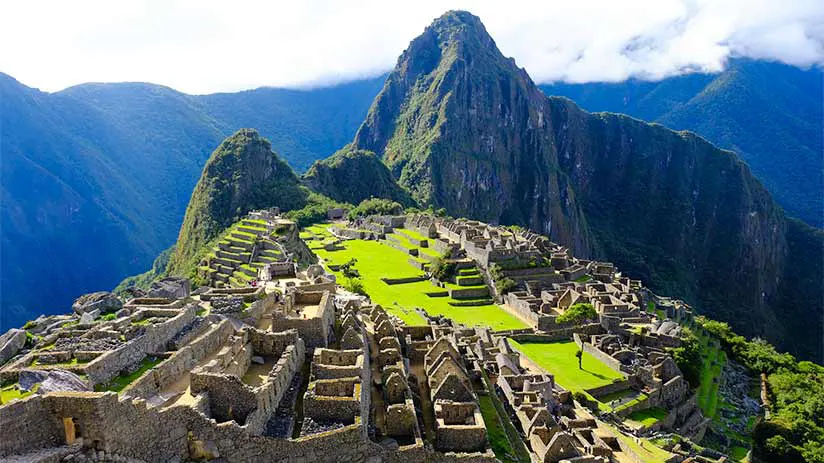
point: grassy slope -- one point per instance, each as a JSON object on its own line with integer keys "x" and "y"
{"x": 377, "y": 260}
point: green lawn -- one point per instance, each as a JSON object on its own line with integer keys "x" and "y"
{"x": 376, "y": 260}
{"x": 559, "y": 359}
{"x": 649, "y": 416}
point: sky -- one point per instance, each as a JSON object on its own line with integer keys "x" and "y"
{"x": 206, "y": 46}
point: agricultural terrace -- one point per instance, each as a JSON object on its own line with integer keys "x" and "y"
{"x": 377, "y": 260}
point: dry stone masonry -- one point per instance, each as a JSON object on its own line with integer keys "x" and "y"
{"x": 270, "y": 361}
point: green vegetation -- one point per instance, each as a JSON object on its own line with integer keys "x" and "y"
{"x": 495, "y": 431}
{"x": 315, "y": 211}
{"x": 517, "y": 450}
{"x": 352, "y": 176}
{"x": 578, "y": 313}
{"x": 795, "y": 430}
{"x": 376, "y": 260}
{"x": 375, "y": 206}
{"x": 227, "y": 190}
{"x": 559, "y": 359}
{"x": 648, "y": 417}
{"x": 119, "y": 383}
{"x": 647, "y": 451}
{"x": 13, "y": 392}
{"x": 689, "y": 357}
{"x": 443, "y": 270}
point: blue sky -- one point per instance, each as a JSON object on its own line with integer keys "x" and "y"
{"x": 204, "y": 46}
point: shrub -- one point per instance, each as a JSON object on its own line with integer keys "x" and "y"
{"x": 505, "y": 285}
{"x": 355, "y": 285}
{"x": 577, "y": 313}
{"x": 443, "y": 270}
{"x": 688, "y": 357}
{"x": 375, "y": 206}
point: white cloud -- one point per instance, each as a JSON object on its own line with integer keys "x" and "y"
{"x": 201, "y": 46}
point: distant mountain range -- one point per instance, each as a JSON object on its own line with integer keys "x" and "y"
{"x": 771, "y": 114}
{"x": 96, "y": 178}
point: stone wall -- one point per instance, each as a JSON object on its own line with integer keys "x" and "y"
{"x": 154, "y": 340}
{"x": 607, "y": 359}
{"x": 28, "y": 424}
{"x": 610, "y": 388}
{"x": 181, "y": 362}
{"x": 127, "y": 427}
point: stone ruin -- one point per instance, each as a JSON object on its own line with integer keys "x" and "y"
{"x": 288, "y": 371}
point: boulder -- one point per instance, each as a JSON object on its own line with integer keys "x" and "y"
{"x": 10, "y": 343}
{"x": 123, "y": 313}
{"x": 171, "y": 288}
{"x": 103, "y": 301}
{"x": 88, "y": 317}
{"x": 52, "y": 381}
{"x": 314, "y": 271}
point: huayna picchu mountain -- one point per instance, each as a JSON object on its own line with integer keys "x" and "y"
{"x": 461, "y": 127}
{"x": 241, "y": 175}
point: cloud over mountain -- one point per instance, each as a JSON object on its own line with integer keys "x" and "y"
{"x": 208, "y": 46}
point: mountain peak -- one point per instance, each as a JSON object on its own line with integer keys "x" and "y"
{"x": 241, "y": 175}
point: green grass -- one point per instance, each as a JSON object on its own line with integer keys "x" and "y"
{"x": 559, "y": 359}
{"x": 518, "y": 449}
{"x": 648, "y": 453}
{"x": 737, "y": 453}
{"x": 495, "y": 431}
{"x": 411, "y": 234}
{"x": 583, "y": 279}
{"x": 708, "y": 388}
{"x": 9, "y": 393}
{"x": 377, "y": 260}
{"x": 73, "y": 362}
{"x": 117, "y": 384}
{"x": 649, "y": 416}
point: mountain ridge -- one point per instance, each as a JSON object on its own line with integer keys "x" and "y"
{"x": 709, "y": 231}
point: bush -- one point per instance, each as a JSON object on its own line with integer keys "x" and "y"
{"x": 443, "y": 270}
{"x": 505, "y": 285}
{"x": 348, "y": 269}
{"x": 375, "y": 206}
{"x": 355, "y": 285}
{"x": 688, "y": 357}
{"x": 577, "y": 313}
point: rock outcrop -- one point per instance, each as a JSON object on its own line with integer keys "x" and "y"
{"x": 10, "y": 343}
{"x": 102, "y": 301}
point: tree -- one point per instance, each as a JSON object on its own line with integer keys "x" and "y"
{"x": 580, "y": 354}
{"x": 577, "y": 313}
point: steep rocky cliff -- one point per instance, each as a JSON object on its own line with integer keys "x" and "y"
{"x": 241, "y": 175}
{"x": 462, "y": 127}
{"x": 352, "y": 175}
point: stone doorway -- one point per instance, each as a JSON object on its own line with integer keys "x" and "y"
{"x": 71, "y": 430}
